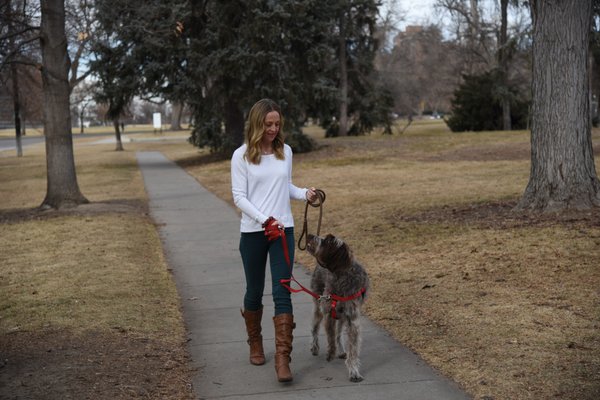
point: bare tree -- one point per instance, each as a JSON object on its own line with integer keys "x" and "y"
{"x": 422, "y": 70}
{"x": 15, "y": 80}
{"x": 503, "y": 58}
{"x": 80, "y": 28}
{"x": 563, "y": 173}
{"x": 473, "y": 32}
{"x": 31, "y": 96}
{"x": 82, "y": 97}
{"x": 489, "y": 43}
{"x": 63, "y": 189}
{"x": 17, "y": 34}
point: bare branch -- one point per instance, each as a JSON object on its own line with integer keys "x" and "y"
{"x": 153, "y": 100}
{"x": 30, "y": 63}
{"x": 75, "y": 81}
{"x": 10, "y": 57}
{"x": 75, "y": 63}
{"x": 13, "y": 35}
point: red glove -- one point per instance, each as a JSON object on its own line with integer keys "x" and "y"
{"x": 273, "y": 232}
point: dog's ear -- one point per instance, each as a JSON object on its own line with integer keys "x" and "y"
{"x": 341, "y": 257}
{"x": 346, "y": 255}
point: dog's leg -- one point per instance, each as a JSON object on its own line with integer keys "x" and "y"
{"x": 330, "y": 324}
{"x": 338, "y": 338}
{"x": 353, "y": 349}
{"x": 316, "y": 323}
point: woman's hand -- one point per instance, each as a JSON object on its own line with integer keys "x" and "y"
{"x": 272, "y": 222}
{"x": 311, "y": 195}
{"x": 278, "y": 224}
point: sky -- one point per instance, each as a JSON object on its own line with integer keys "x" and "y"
{"x": 422, "y": 12}
{"x": 417, "y": 12}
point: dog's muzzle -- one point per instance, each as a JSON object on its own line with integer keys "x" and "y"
{"x": 312, "y": 243}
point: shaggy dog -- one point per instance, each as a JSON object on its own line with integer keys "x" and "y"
{"x": 338, "y": 276}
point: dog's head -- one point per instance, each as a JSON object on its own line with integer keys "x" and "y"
{"x": 331, "y": 252}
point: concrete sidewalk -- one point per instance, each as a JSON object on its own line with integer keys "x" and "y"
{"x": 200, "y": 235}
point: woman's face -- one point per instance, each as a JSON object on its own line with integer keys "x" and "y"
{"x": 272, "y": 124}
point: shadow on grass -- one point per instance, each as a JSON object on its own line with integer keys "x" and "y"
{"x": 115, "y": 206}
{"x": 501, "y": 215}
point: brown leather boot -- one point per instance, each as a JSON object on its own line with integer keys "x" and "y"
{"x": 253, "y": 318}
{"x": 284, "y": 325}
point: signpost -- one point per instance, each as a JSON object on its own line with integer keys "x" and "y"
{"x": 156, "y": 122}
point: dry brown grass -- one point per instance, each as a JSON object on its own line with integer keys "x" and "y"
{"x": 90, "y": 268}
{"x": 81, "y": 273}
{"x": 10, "y": 132}
{"x": 89, "y": 285}
{"x": 507, "y": 305}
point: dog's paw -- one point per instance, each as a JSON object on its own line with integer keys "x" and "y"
{"x": 330, "y": 356}
{"x": 355, "y": 378}
{"x": 314, "y": 349}
{"x": 342, "y": 356}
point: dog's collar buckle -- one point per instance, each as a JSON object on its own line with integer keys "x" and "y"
{"x": 325, "y": 297}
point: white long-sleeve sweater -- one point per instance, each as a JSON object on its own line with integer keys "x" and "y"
{"x": 264, "y": 190}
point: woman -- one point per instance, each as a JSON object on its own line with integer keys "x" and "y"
{"x": 261, "y": 184}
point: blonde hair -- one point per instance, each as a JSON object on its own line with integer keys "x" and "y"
{"x": 255, "y": 130}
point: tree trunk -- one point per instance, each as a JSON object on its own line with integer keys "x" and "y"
{"x": 176, "y": 112}
{"x": 343, "y": 128}
{"x": 503, "y": 65}
{"x": 475, "y": 23}
{"x": 15, "y": 82}
{"x": 234, "y": 126}
{"x": 593, "y": 105}
{"x": 81, "y": 116}
{"x": 473, "y": 41}
{"x": 62, "y": 188}
{"x": 116, "y": 124}
{"x": 17, "y": 108}
{"x": 563, "y": 174}
{"x": 506, "y": 118}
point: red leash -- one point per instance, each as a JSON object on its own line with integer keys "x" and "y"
{"x": 333, "y": 297}
{"x": 273, "y": 232}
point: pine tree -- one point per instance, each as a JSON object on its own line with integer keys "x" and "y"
{"x": 226, "y": 55}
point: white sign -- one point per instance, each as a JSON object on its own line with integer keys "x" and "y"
{"x": 156, "y": 121}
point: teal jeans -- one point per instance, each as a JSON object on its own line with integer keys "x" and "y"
{"x": 254, "y": 248}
